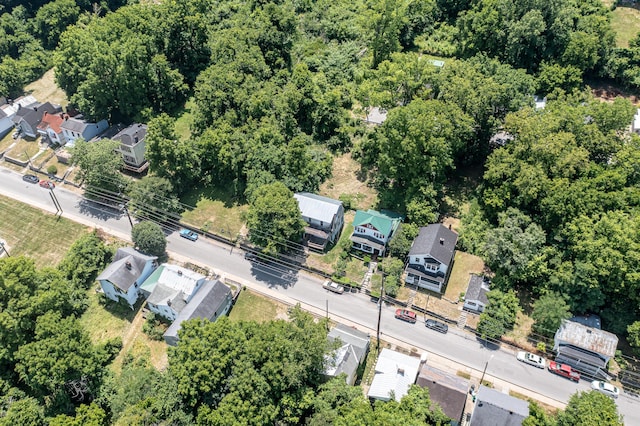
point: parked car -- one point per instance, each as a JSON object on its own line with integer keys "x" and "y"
{"x": 250, "y": 256}
{"x": 437, "y": 326}
{"x": 47, "y": 184}
{"x": 564, "y": 370}
{"x": 30, "y": 178}
{"x": 188, "y": 234}
{"x": 605, "y": 388}
{"x": 334, "y": 287}
{"x": 531, "y": 359}
{"x": 406, "y": 315}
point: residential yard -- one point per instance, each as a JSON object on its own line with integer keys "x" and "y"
{"x": 251, "y": 306}
{"x": 6, "y": 141}
{"x": 32, "y": 232}
{"x": 60, "y": 167}
{"x": 215, "y": 211}
{"x": 46, "y": 90}
{"x": 464, "y": 265}
{"x": 347, "y": 179}
{"x": 327, "y": 261}
{"x": 356, "y": 270}
{"x": 23, "y": 150}
{"x": 626, "y": 23}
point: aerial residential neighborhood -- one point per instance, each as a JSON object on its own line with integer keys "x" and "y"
{"x": 318, "y": 213}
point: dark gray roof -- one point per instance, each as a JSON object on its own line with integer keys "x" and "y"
{"x": 131, "y": 135}
{"x": 592, "y": 339}
{"x": 447, "y": 390}
{"x": 110, "y": 132}
{"x": 33, "y": 114}
{"x": 477, "y": 289}
{"x": 208, "y": 300}
{"x": 353, "y": 337}
{"x": 437, "y": 241}
{"x": 590, "y": 320}
{"x": 495, "y": 408}
{"x": 126, "y": 268}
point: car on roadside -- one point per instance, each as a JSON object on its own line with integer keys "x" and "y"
{"x": 334, "y": 287}
{"x": 250, "y": 256}
{"x": 531, "y": 359}
{"x": 31, "y": 178}
{"x": 437, "y": 326}
{"x": 47, "y": 184}
{"x": 406, "y": 315}
{"x": 188, "y": 234}
{"x": 605, "y": 388}
{"x": 564, "y": 370}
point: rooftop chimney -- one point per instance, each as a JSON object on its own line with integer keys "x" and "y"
{"x": 441, "y": 241}
{"x": 179, "y": 272}
{"x": 128, "y": 265}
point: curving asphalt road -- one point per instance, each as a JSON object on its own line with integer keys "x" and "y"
{"x": 457, "y": 346}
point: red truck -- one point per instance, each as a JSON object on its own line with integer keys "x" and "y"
{"x": 564, "y": 370}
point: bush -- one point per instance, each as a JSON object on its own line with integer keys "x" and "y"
{"x": 52, "y": 169}
{"x": 367, "y": 259}
{"x": 154, "y": 326}
{"x": 347, "y": 201}
{"x": 149, "y": 238}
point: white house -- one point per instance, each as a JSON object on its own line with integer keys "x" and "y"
{"x": 132, "y": 147}
{"x": 372, "y": 230}
{"x": 431, "y": 257}
{"x": 394, "y": 374}
{"x": 475, "y": 298}
{"x": 170, "y": 288}
{"x": 349, "y": 356}
{"x": 635, "y": 125}
{"x": 212, "y": 300}
{"x": 123, "y": 277}
{"x": 75, "y": 128}
{"x": 324, "y": 217}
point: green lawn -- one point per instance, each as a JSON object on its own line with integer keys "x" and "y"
{"x": 23, "y": 150}
{"x": 254, "y": 307}
{"x": 215, "y": 211}
{"x": 183, "y": 123}
{"x": 32, "y": 232}
{"x": 626, "y": 23}
{"x": 464, "y": 265}
{"x": 356, "y": 270}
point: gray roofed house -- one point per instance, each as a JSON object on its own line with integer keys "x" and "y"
{"x": 324, "y": 217}
{"x": 213, "y": 300}
{"x": 123, "y": 277}
{"x": 74, "y": 128}
{"x": 132, "y": 147}
{"x": 495, "y": 408}
{"x": 431, "y": 257}
{"x": 27, "y": 118}
{"x": 584, "y": 348}
{"x": 6, "y": 124}
{"x": 447, "y": 390}
{"x": 475, "y": 298}
{"x": 394, "y": 374}
{"x": 350, "y": 355}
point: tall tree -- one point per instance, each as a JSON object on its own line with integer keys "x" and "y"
{"x": 590, "y": 408}
{"x": 274, "y": 218}
{"x": 548, "y": 313}
{"x": 86, "y": 258}
{"x": 99, "y": 168}
{"x": 149, "y": 238}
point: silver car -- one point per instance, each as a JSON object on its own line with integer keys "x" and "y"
{"x": 531, "y": 359}
{"x": 605, "y": 388}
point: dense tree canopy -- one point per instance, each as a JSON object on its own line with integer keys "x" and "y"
{"x": 149, "y": 238}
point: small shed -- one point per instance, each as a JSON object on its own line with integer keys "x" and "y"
{"x": 475, "y": 298}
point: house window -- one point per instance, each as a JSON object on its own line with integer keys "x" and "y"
{"x": 416, "y": 260}
{"x": 431, "y": 267}
{"x": 366, "y": 248}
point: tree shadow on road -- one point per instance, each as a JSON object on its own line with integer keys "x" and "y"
{"x": 98, "y": 211}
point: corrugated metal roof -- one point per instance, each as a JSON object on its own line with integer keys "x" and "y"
{"x": 385, "y": 223}
{"x": 394, "y": 372}
{"x": 317, "y": 207}
{"x": 579, "y": 335}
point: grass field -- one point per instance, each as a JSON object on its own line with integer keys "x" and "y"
{"x": 215, "y": 211}
{"x": 46, "y": 90}
{"x": 464, "y": 264}
{"x": 183, "y": 123}
{"x": 24, "y": 150}
{"x": 254, "y": 307}
{"x": 40, "y": 235}
{"x": 346, "y": 179}
{"x": 626, "y": 24}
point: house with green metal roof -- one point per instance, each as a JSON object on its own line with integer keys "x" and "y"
{"x": 372, "y": 230}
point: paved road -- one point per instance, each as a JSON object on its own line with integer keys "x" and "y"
{"x": 456, "y": 346}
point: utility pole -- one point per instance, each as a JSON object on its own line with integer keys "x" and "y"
{"x": 2, "y": 243}
{"x": 486, "y": 364}
{"x": 126, "y": 210}
{"x": 379, "y": 314}
{"x": 327, "y": 314}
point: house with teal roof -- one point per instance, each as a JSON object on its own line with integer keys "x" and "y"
{"x": 372, "y": 230}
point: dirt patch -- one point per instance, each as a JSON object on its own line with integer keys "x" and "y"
{"x": 607, "y": 92}
{"x": 347, "y": 179}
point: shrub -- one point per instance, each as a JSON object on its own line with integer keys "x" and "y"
{"x": 52, "y": 169}
{"x": 154, "y": 326}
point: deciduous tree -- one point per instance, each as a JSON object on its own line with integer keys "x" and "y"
{"x": 149, "y": 238}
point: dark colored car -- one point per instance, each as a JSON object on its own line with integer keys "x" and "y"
{"x": 250, "y": 256}
{"x": 406, "y": 315}
{"x": 47, "y": 184}
{"x": 30, "y": 178}
{"x": 437, "y": 326}
{"x": 188, "y": 234}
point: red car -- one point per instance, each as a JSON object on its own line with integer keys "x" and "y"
{"x": 47, "y": 184}
{"x": 564, "y": 370}
{"x": 406, "y": 315}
